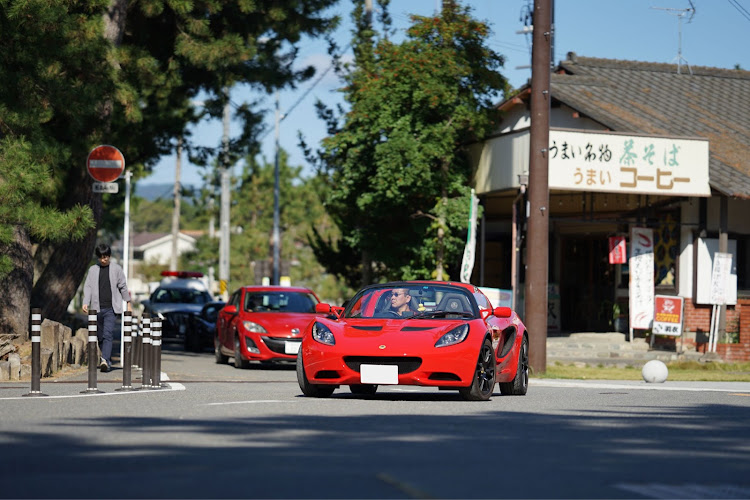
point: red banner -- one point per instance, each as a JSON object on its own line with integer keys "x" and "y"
{"x": 617, "y": 250}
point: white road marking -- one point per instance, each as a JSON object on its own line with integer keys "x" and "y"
{"x": 688, "y": 490}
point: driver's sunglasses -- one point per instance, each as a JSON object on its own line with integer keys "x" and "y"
{"x": 396, "y": 294}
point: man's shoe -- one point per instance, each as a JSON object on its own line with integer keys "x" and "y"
{"x": 104, "y": 366}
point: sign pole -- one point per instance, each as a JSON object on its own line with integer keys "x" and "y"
{"x": 125, "y": 258}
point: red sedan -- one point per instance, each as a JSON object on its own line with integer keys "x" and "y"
{"x": 425, "y": 333}
{"x": 263, "y": 323}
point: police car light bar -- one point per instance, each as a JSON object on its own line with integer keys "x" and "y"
{"x": 183, "y": 274}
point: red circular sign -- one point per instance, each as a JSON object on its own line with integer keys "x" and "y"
{"x": 105, "y": 163}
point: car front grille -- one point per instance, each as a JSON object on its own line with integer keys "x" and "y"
{"x": 277, "y": 345}
{"x": 405, "y": 364}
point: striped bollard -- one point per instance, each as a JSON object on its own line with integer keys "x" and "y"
{"x": 156, "y": 354}
{"x": 137, "y": 344}
{"x": 92, "y": 355}
{"x": 146, "y": 354}
{"x": 127, "y": 349}
{"x": 36, "y": 353}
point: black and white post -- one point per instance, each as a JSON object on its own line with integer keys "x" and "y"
{"x": 93, "y": 358}
{"x": 36, "y": 353}
{"x": 146, "y": 354}
{"x": 127, "y": 351}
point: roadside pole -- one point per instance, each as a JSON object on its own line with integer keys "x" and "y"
{"x": 125, "y": 260}
{"x": 537, "y": 244}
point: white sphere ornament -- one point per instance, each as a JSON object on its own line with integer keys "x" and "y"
{"x": 655, "y": 372}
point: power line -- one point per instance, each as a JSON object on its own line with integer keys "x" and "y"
{"x": 742, "y": 10}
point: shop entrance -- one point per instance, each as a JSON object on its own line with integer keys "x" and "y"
{"x": 587, "y": 284}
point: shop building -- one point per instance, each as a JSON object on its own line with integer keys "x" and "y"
{"x": 632, "y": 145}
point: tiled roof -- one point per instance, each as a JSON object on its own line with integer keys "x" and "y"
{"x": 652, "y": 98}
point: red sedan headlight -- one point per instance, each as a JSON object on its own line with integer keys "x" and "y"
{"x": 253, "y": 327}
{"x": 321, "y": 333}
{"x": 453, "y": 337}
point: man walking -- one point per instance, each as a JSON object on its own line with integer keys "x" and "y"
{"x": 104, "y": 290}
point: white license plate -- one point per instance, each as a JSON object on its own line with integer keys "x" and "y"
{"x": 292, "y": 347}
{"x": 378, "y": 374}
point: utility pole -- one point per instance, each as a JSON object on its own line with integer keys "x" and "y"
{"x": 176, "y": 209}
{"x": 275, "y": 237}
{"x": 224, "y": 216}
{"x": 537, "y": 243}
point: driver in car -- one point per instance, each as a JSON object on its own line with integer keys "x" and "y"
{"x": 401, "y": 302}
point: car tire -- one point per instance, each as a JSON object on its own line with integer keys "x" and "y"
{"x": 239, "y": 361}
{"x": 363, "y": 389}
{"x": 483, "y": 385}
{"x": 221, "y": 359}
{"x": 308, "y": 389}
{"x": 520, "y": 383}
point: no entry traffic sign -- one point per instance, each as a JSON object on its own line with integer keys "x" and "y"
{"x": 105, "y": 163}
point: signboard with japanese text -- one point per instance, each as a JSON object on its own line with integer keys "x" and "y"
{"x": 617, "y": 250}
{"x": 619, "y": 163}
{"x": 706, "y": 250}
{"x": 641, "y": 264}
{"x": 668, "y": 315}
{"x": 720, "y": 276}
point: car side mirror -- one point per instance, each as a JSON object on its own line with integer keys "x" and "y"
{"x": 323, "y": 308}
{"x": 502, "y": 312}
{"x": 230, "y": 309}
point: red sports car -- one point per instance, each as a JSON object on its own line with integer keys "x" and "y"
{"x": 263, "y": 323}
{"x": 427, "y": 333}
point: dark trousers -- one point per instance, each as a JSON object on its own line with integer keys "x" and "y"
{"x": 106, "y": 325}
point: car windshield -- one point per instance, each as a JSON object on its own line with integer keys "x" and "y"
{"x": 285, "y": 302}
{"x": 181, "y": 296}
{"x": 412, "y": 300}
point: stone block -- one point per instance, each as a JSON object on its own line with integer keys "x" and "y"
{"x": 46, "y": 357}
{"x": 4, "y": 371}
{"x": 15, "y": 366}
{"x": 25, "y": 371}
{"x": 52, "y": 339}
{"x": 67, "y": 352}
{"x": 79, "y": 350}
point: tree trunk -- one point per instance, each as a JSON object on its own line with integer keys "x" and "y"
{"x": 68, "y": 263}
{"x": 16, "y": 286}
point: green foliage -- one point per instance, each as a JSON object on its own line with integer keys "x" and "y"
{"x": 397, "y": 168}
{"x": 300, "y": 213}
{"x": 24, "y": 184}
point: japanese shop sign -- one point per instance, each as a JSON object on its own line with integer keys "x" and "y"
{"x": 618, "y": 163}
{"x": 720, "y": 275}
{"x": 641, "y": 265}
{"x": 668, "y": 315}
{"x": 617, "y": 251}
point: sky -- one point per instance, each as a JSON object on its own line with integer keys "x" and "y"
{"x": 713, "y": 34}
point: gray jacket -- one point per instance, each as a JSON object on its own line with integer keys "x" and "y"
{"x": 117, "y": 282}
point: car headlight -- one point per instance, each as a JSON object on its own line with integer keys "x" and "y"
{"x": 253, "y": 327}
{"x": 454, "y": 336}
{"x": 321, "y": 333}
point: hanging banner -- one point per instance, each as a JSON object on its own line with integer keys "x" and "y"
{"x": 467, "y": 265}
{"x": 641, "y": 289}
{"x": 668, "y": 315}
{"x": 617, "y": 250}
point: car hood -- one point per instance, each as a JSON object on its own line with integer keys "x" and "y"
{"x": 286, "y": 324}
{"x": 174, "y": 307}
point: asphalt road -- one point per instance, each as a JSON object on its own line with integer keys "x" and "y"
{"x": 219, "y": 432}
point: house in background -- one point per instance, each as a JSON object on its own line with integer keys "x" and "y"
{"x": 155, "y": 248}
{"x": 632, "y": 145}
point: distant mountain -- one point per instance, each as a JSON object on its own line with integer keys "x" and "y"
{"x": 153, "y": 192}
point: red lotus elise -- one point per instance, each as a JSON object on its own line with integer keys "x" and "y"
{"x": 263, "y": 323}
{"x": 425, "y": 333}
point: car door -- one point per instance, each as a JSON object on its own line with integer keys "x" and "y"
{"x": 224, "y": 326}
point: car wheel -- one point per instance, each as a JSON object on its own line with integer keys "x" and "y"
{"x": 239, "y": 361}
{"x": 308, "y": 389}
{"x": 221, "y": 359}
{"x": 363, "y": 389}
{"x": 520, "y": 383}
{"x": 483, "y": 384}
